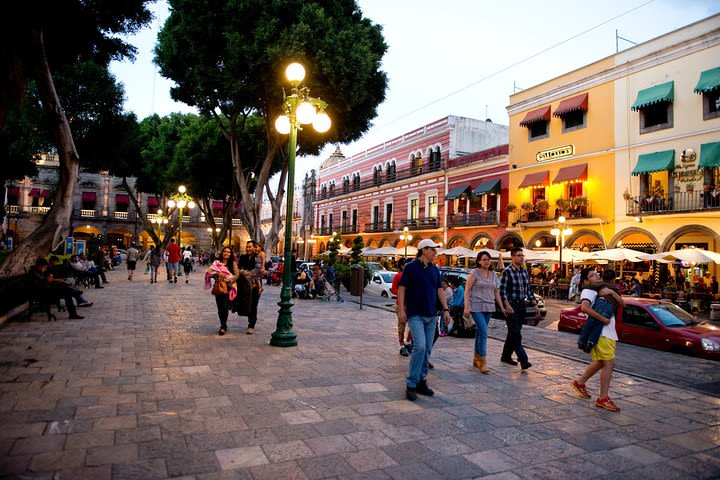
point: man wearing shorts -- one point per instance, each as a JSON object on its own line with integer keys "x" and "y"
{"x": 603, "y": 353}
{"x": 132, "y": 255}
{"x": 173, "y": 252}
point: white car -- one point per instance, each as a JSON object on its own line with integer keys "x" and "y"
{"x": 380, "y": 283}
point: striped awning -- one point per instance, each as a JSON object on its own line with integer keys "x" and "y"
{"x": 539, "y": 179}
{"x": 571, "y": 174}
{"x": 539, "y": 115}
{"x": 579, "y": 102}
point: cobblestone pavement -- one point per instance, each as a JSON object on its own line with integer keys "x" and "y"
{"x": 144, "y": 388}
{"x": 678, "y": 370}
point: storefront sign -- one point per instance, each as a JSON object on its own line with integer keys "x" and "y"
{"x": 554, "y": 153}
{"x": 687, "y": 172}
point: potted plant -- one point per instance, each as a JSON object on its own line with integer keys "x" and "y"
{"x": 562, "y": 204}
{"x": 626, "y": 195}
{"x": 526, "y": 208}
{"x": 689, "y": 187}
{"x": 542, "y": 206}
{"x": 676, "y": 189}
{"x": 580, "y": 201}
{"x": 511, "y": 207}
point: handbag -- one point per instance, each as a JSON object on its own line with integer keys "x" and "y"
{"x": 220, "y": 288}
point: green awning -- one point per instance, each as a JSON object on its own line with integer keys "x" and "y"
{"x": 659, "y": 93}
{"x": 485, "y": 188}
{"x": 709, "y": 81}
{"x": 710, "y": 155}
{"x": 457, "y": 192}
{"x": 655, "y": 162}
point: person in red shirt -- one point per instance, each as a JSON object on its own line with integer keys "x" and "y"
{"x": 173, "y": 260}
{"x": 405, "y": 348}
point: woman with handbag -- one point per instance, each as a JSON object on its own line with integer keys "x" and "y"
{"x": 225, "y": 274}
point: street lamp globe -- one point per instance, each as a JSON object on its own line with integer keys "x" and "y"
{"x": 561, "y": 219}
{"x": 322, "y": 122}
{"x": 159, "y": 212}
{"x": 165, "y": 221}
{"x": 282, "y": 124}
{"x": 295, "y": 72}
{"x": 181, "y": 203}
{"x": 306, "y": 113}
{"x": 171, "y": 203}
{"x": 555, "y": 231}
{"x": 191, "y": 204}
{"x": 182, "y": 189}
{"x": 217, "y": 229}
{"x": 209, "y": 230}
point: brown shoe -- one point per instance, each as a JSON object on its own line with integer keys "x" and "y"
{"x": 250, "y": 331}
{"x": 476, "y": 360}
{"x": 483, "y": 365}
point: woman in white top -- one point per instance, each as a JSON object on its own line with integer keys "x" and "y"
{"x": 481, "y": 294}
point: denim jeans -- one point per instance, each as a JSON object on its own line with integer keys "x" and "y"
{"x": 482, "y": 320}
{"x": 423, "y": 331}
{"x": 513, "y": 341}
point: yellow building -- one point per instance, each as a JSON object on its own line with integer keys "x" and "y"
{"x": 637, "y": 134}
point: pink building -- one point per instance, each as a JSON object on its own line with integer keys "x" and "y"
{"x": 446, "y": 180}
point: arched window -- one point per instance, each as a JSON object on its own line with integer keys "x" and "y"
{"x": 356, "y": 181}
{"x": 435, "y": 162}
{"x": 416, "y": 161}
{"x": 346, "y": 185}
{"x": 391, "y": 171}
{"x": 377, "y": 175}
{"x": 332, "y": 188}
{"x": 323, "y": 191}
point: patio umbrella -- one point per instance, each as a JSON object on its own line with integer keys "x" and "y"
{"x": 387, "y": 251}
{"x": 568, "y": 255}
{"x": 458, "y": 252}
{"x": 343, "y": 250}
{"x": 619, "y": 255}
{"x": 687, "y": 255}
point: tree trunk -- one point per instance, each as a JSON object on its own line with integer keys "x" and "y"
{"x": 56, "y": 222}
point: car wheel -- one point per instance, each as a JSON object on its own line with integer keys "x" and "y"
{"x": 384, "y": 294}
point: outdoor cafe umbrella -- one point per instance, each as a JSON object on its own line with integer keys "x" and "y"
{"x": 458, "y": 252}
{"x": 619, "y": 255}
{"x": 343, "y": 250}
{"x": 687, "y": 255}
{"x": 386, "y": 251}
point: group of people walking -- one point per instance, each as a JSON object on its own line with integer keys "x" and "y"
{"x": 422, "y": 299}
{"x": 237, "y": 284}
{"x": 175, "y": 258}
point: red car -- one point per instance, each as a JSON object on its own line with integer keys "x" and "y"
{"x": 656, "y": 324}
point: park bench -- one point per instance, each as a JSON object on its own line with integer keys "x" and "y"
{"x": 16, "y": 290}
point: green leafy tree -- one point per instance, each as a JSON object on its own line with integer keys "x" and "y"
{"x": 39, "y": 41}
{"x": 356, "y": 251}
{"x": 334, "y": 246}
{"x": 227, "y": 58}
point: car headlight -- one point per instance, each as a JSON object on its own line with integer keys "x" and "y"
{"x": 710, "y": 345}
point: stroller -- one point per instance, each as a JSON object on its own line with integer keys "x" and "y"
{"x": 331, "y": 290}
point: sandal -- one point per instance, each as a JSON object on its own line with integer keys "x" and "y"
{"x": 221, "y": 332}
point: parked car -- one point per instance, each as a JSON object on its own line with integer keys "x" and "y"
{"x": 656, "y": 324}
{"x": 530, "y": 317}
{"x": 380, "y": 283}
{"x": 375, "y": 266}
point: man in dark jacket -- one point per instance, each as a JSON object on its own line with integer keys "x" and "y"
{"x": 41, "y": 288}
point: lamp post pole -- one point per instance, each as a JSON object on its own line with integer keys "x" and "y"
{"x": 405, "y": 237}
{"x": 181, "y": 200}
{"x": 299, "y": 108}
{"x": 560, "y": 230}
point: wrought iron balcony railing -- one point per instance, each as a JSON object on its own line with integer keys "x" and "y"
{"x": 473, "y": 219}
{"x": 344, "y": 229}
{"x": 422, "y": 223}
{"x": 379, "y": 227}
{"x": 673, "y": 203}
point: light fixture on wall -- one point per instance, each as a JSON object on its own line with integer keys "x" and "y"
{"x": 638, "y": 219}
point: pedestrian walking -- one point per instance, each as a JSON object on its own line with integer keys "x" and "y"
{"x": 154, "y": 261}
{"x": 481, "y": 294}
{"x": 403, "y": 333}
{"x": 515, "y": 290}
{"x": 419, "y": 291}
{"x": 187, "y": 263}
{"x": 603, "y": 353}
{"x": 249, "y": 262}
{"x": 132, "y": 256}
{"x": 173, "y": 253}
{"x": 224, "y": 272}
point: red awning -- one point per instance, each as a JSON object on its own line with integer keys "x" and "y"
{"x": 14, "y": 192}
{"x": 122, "y": 199}
{"x": 217, "y": 205}
{"x": 579, "y": 102}
{"x": 571, "y": 174}
{"x": 540, "y": 115}
{"x": 539, "y": 179}
{"x": 89, "y": 196}
{"x": 152, "y": 202}
{"x": 35, "y": 192}
{"x": 45, "y": 193}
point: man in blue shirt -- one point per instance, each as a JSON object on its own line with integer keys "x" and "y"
{"x": 419, "y": 291}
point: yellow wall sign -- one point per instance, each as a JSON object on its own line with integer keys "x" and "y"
{"x": 553, "y": 153}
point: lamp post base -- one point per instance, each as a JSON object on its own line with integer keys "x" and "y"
{"x": 284, "y": 336}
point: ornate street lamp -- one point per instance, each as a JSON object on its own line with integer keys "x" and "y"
{"x": 214, "y": 234}
{"x": 298, "y": 109}
{"x": 311, "y": 244}
{"x": 405, "y": 237}
{"x": 181, "y": 200}
{"x": 561, "y": 230}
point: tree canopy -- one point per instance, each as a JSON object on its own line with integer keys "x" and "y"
{"x": 227, "y": 58}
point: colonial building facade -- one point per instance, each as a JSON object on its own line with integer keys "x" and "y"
{"x": 446, "y": 180}
{"x": 626, "y": 148}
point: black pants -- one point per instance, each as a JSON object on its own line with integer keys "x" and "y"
{"x": 223, "y": 306}
{"x": 56, "y": 292}
{"x": 252, "y": 318}
{"x": 513, "y": 340}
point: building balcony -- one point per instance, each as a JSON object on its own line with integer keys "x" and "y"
{"x": 85, "y": 213}
{"x": 39, "y": 210}
{"x": 324, "y": 231}
{"x": 473, "y": 219}
{"x": 422, "y": 223}
{"x": 186, "y": 219}
{"x": 345, "y": 229}
{"x": 236, "y": 222}
{"x": 379, "y": 227}
{"x": 384, "y": 178}
{"x": 10, "y": 209}
{"x": 674, "y": 203}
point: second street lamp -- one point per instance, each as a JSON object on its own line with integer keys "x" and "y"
{"x": 181, "y": 200}
{"x": 405, "y": 237}
{"x": 298, "y": 109}
{"x": 561, "y": 230}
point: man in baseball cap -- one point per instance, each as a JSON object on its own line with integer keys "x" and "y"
{"x": 420, "y": 288}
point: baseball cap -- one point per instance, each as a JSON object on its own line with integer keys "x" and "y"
{"x": 427, "y": 243}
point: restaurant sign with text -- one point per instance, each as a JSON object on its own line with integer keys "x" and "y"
{"x": 555, "y": 153}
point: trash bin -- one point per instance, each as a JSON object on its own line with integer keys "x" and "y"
{"x": 357, "y": 280}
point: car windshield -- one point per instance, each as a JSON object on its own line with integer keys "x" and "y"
{"x": 388, "y": 277}
{"x": 672, "y": 316}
